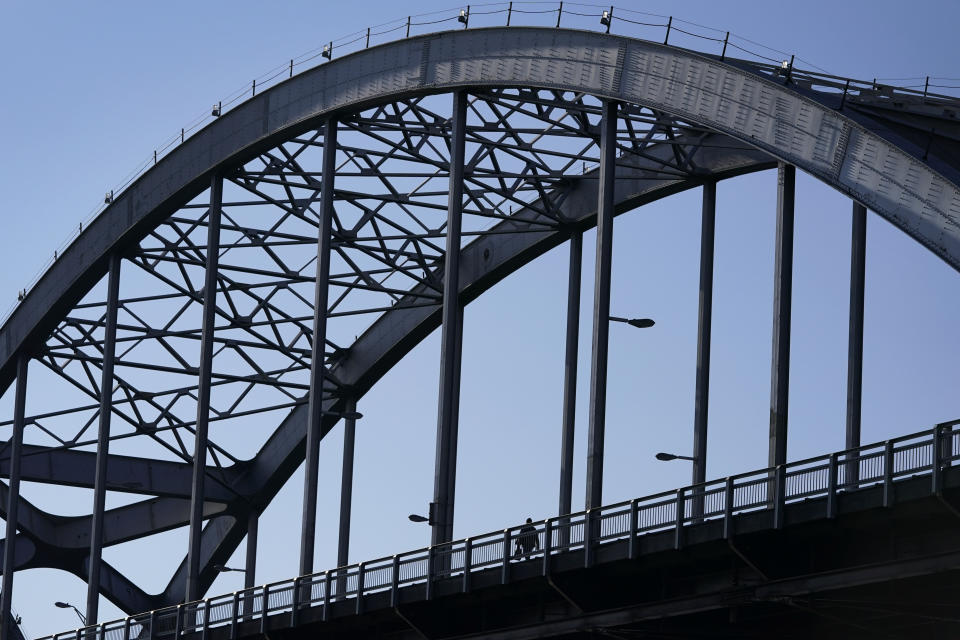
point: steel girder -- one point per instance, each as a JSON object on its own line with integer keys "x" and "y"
{"x": 531, "y": 178}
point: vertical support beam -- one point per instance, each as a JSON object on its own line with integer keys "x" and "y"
{"x": 250, "y": 568}
{"x": 203, "y": 389}
{"x": 570, "y": 375}
{"x": 782, "y": 297}
{"x": 858, "y": 253}
{"x": 705, "y": 320}
{"x": 346, "y": 484}
{"x": 601, "y": 307}
{"x": 445, "y": 473}
{"x": 103, "y": 440}
{"x": 308, "y": 521}
{"x": 13, "y": 498}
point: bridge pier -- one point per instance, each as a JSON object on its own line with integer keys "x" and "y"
{"x": 782, "y": 302}
{"x": 570, "y": 372}
{"x": 203, "y": 390}
{"x": 103, "y": 440}
{"x": 250, "y": 567}
{"x": 308, "y": 522}
{"x": 346, "y": 484}
{"x": 601, "y": 305}
{"x": 705, "y": 320}
{"x": 13, "y": 497}
{"x": 451, "y": 339}
{"x": 858, "y": 253}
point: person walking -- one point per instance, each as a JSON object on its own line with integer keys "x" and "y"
{"x": 528, "y": 541}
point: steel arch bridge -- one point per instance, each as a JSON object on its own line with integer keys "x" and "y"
{"x": 429, "y": 169}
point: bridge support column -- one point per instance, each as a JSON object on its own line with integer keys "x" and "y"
{"x": 103, "y": 440}
{"x": 346, "y": 484}
{"x": 570, "y": 375}
{"x": 782, "y": 299}
{"x": 445, "y": 474}
{"x": 250, "y": 568}
{"x": 705, "y": 320}
{"x": 317, "y": 366}
{"x": 858, "y": 246}
{"x": 601, "y": 305}
{"x": 203, "y": 389}
{"x": 13, "y": 498}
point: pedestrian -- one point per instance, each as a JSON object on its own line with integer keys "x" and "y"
{"x": 527, "y": 542}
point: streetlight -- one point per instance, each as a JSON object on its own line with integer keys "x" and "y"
{"x": 346, "y": 415}
{"x": 639, "y": 323}
{"x": 429, "y": 519}
{"x": 667, "y": 457}
{"x": 223, "y": 569}
{"x": 67, "y": 605}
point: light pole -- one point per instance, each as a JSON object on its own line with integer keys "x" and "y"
{"x": 698, "y": 488}
{"x": 67, "y": 605}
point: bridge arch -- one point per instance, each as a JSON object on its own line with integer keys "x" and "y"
{"x": 738, "y": 120}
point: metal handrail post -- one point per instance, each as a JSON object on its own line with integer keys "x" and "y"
{"x": 779, "y": 496}
{"x": 634, "y": 544}
{"x": 206, "y": 619}
{"x": 547, "y": 545}
{"x": 467, "y": 563}
{"x": 153, "y": 625}
{"x": 233, "y": 614}
{"x": 680, "y": 515}
{"x": 265, "y": 609}
{"x": 728, "y": 490}
{"x": 429, "y": 593}
{"x": 832, "y": 486}
{"x": 177, "y": 624}
{"x": 360, "y": 571}
{"x": 936, "y": 485}
{"x": 588, "y": 538}
{"x": 395, "y": 582}
{"x": 505, "y": 565}
{"x": 887, "y": 473}
{"x": 295, "y": 602}
{"x": 326, "y": 596}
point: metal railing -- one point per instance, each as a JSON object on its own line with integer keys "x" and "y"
{"x": 770, "y": 489}
{"x": 608, "y": 18}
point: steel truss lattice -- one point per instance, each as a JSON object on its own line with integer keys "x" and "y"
{"x": 530, "y": 180}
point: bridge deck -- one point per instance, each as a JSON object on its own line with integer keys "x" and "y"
{"x": 849, "y": 520}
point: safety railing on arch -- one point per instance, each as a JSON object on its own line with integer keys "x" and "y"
{"x": 726, "y": 45}
{"x": 881, "y": 464}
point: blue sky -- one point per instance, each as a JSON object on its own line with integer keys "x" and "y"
{"x": 91, "y": 89}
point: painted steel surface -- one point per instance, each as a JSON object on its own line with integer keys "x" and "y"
{"x": 759, "y": 121}
{"x": 772, "y": 117}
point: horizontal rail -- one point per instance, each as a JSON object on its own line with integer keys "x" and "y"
{"x": 819, "y": 477}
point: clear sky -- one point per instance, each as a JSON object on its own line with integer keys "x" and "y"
{"x": 90, "y": 89}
